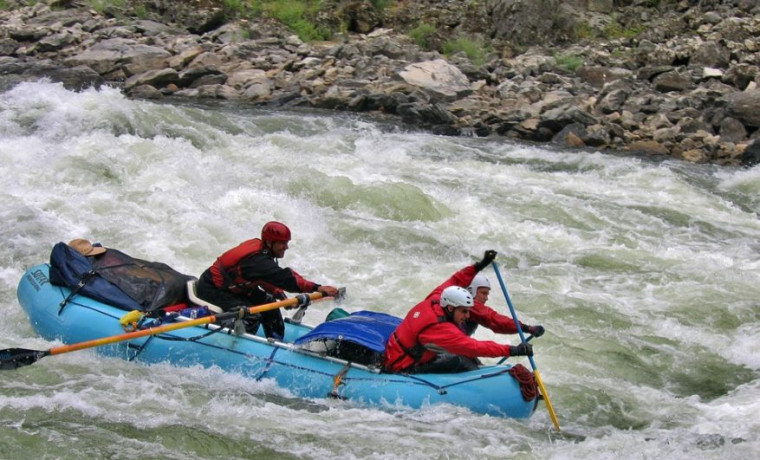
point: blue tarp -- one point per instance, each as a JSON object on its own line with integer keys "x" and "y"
{"x": 367, "y": 328}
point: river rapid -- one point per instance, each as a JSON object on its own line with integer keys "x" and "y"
{"x": 645, "y": 274}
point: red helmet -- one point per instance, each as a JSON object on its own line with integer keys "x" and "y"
{"x": 275, "y": 231}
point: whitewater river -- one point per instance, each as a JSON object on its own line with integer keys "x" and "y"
{"x": 645, "y": 274}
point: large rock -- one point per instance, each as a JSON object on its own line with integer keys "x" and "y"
{"x": 154, "y": 78}
{"x": 529, "y": 22}
{"x": 110, "y": 55}
{"x": 745, "y": 107}
{"x": 437, "y": 77}
{"x": 751, "y": 155}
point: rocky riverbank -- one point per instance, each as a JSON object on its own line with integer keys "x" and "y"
{"x": 685, "y": 86}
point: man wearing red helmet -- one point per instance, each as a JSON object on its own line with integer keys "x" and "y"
{"x": 249, "y": 274}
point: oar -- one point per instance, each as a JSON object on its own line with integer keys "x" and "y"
{"x": 13, "y": 358}
{"x": 522, "y": 338}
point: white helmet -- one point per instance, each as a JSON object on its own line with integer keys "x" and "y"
{"x": 480, "y": 280}
{"x": 456, "y": 296}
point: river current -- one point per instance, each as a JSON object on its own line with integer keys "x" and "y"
{"x": 645, "y": 274}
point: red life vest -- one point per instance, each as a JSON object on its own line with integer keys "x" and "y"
{"x": 226, "y": 271}
{"x": 404, "y": 348}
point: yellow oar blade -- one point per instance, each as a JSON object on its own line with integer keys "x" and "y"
{"x": 546, "y": 399}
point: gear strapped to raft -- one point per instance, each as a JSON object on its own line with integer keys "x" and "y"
{"x": 117, "y": 279}
{"x": 359, "y": 337}
{"x": 527, "y": 381}
{"x": 338, "y": 382}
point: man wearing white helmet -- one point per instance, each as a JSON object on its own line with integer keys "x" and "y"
{"x": 431, "y": 337}
{"x": 483, "y": 315}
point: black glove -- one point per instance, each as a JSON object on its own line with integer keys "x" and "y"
{"x": 537, "y": 330}
{"x": 524, "y": 349}
{"x": 269, "y": 297}
{"x": 303, "y": 300}
{"x": 488, "y": 257}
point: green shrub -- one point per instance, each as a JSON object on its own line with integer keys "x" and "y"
{"x": 380, "y": 5}
{"x": 141, "y": 11}
{"x": 235, "y": 6}
{"x": 296, "y": 15}
{"x": 101, "y": 6}
{"x": 615, "y": 30}
{"x": 569, "y": 62}
{"x": 584, "y": 31}
{"x": 475, "y": 49}
{"x": 421, "y": 35}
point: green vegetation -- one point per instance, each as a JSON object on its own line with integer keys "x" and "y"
{"x": 568, "y": 62}
{"x": 615, "y": 30}
{"x": 475, "y": 49}
{"x": 380, "y": 5}
{"x": 296, "y": 14}
{"x": 584, "y": 31}
{"x": 101, "y": 6}
{"x": 611, "y": 31}
{"x": 237, "y": 6}
{"x": 421, "y": 35}
{"x": 141, "y": 11}
{"x": 299, "y": 15}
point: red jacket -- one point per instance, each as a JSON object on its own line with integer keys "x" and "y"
{"x": 250, "y": 266}
{"x": 483, "y": 315}
{"x": 425, "y": 332}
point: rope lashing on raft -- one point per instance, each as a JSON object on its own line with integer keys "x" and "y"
{"x": 527, "y": 381}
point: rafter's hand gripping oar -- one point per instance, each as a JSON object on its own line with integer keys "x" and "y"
{"x": 539, "y": 381}
{"x": 13, "y": 358}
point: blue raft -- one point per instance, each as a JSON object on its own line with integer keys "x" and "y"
{"x": 293, "y": 363}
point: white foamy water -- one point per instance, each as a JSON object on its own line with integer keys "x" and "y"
{"x": 645, "y": 274}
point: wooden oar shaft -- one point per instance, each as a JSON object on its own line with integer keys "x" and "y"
{"x": 539, "y": 381}
{"x": 175, "y": 326}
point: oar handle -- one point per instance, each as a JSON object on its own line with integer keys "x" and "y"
{"x": 180, "y": 325}
{"x": 13, "y": 358}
